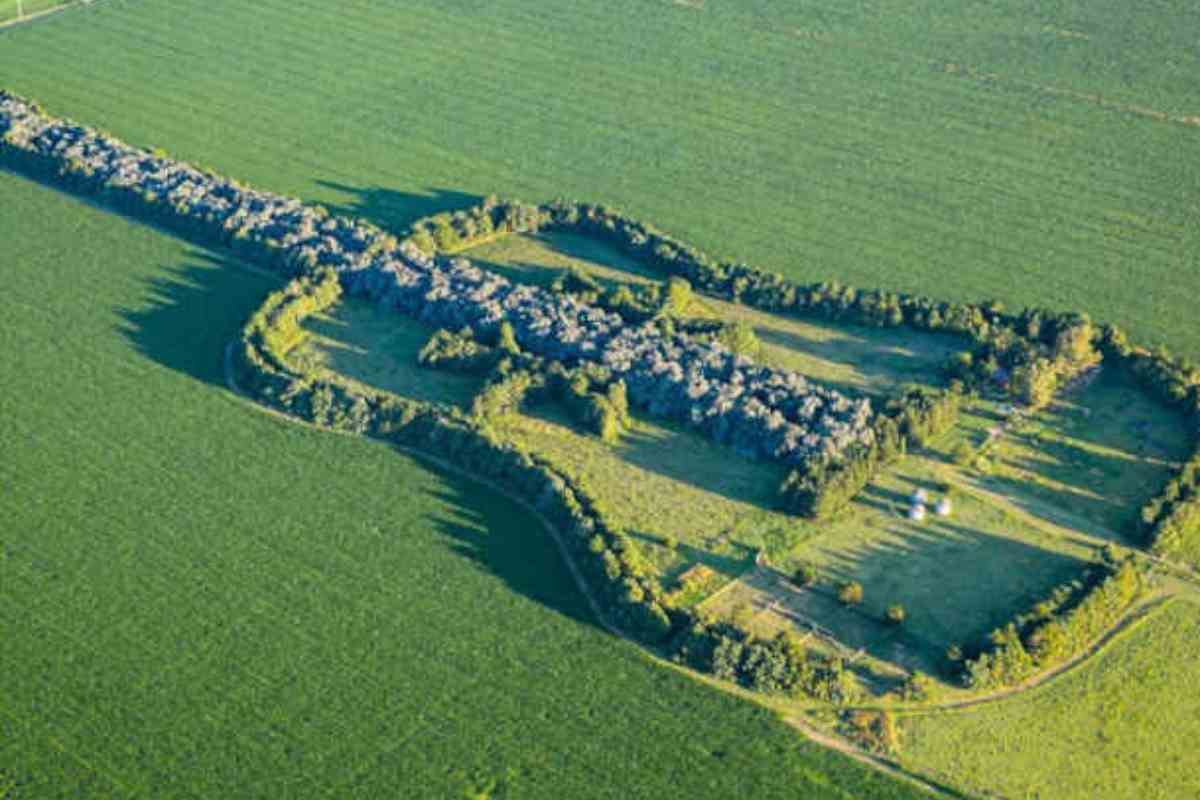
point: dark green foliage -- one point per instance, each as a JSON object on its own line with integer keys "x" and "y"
{"x": 1057, "y": 628}
{"x": 458, "y": 351}
{"x": 822, "y": 488}
{"x": 806, "y": 575}
{"x": 593, "y": 399}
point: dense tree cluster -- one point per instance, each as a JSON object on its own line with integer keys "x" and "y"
{"x": 458, "y": 351}
{"x": 1057, "y": 628}
{"x": 763, "y": 412}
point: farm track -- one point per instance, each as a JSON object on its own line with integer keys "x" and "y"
{"x": 813, "y": 735}
{"x": 37, "y": 15}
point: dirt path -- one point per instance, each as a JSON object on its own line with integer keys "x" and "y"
{"x": 36, "y": 15}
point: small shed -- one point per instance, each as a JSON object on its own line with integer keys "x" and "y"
{"x": 944, "y": 507}
{"x": 917, "y": 512}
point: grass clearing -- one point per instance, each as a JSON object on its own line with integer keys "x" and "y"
{"x": 201, "y": 600}
{"x": 957, "y": 578}
{"x": 1088, "y": 462}
{"x": 378, "y": 348}
{"x": 1122, "y": 725}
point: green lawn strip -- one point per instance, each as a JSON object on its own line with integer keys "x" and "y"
{"x": 1120, "y": 725}
{"x": 207, "y": 601}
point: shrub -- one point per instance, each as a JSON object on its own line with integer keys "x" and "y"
{"x": 805, "y": 575}
{"x": 896, "y": 615}
{"x": 850, "y": 593}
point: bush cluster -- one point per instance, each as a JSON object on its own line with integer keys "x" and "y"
{"x": 1057, "y": 628}
{"x": 458, "y": 351}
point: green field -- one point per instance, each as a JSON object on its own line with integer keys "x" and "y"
{"x": 200, "y": 600}
{"x": 1122, "y": 726}
{"x": 961, "y": 150}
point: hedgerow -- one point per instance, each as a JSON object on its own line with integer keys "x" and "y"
{"x": 764, "y": 412}
{"x": 1057, "y": 628}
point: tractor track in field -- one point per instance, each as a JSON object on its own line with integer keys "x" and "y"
{"x": 814, "y": 735}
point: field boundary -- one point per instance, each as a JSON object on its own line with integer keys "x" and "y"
{"x": 45, "y": 12}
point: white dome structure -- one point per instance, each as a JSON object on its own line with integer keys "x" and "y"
{"x": 917, "y": 512}
{"x": 944, "y": 507}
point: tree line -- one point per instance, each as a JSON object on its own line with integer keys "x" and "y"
{"x": 1057, "y": 628}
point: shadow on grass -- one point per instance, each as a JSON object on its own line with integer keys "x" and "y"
{"x": 674, "y": 452}
{"x": 956, "y": 583}
{"x": 192, "y": 312}
{"x": 395, "y": 210}
{"x": 481, "y": 529}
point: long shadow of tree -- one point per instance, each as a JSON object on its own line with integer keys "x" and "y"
{"x": 395, "y": 210}
{"x": 530, "y": 565}
{"x": 957, "y": 583}
{"x": 192, "y": 312}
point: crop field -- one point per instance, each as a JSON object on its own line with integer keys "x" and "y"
{"x": 199, "y": 600}
{"x": 205, "y": 600}
{"x": 1035, "y": 156}
{"x": 1121, "y": 726}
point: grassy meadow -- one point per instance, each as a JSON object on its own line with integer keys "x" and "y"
{"x": 378, "y": 348}
{"x": 1089, "y": 461}
{"x": 1036, "y": 154}
{"x": 1122, "y": 726}
{"x": 201, "y": 600}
